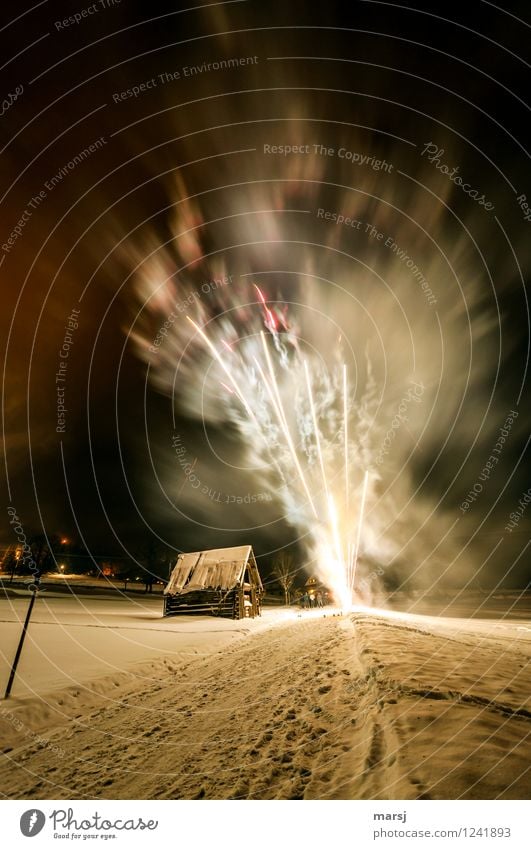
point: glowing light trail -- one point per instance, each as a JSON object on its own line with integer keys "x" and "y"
{"x": 316, "y": 429}
{"x": 236, "y": 390}
{"x": 338, "y": 553}
{"x": 358, "y": 531}
{"x": 285, "y": 428}
{"x": 223, "y": 366}
{"x": 335, "y": 533}
{"x": 345, "y": 431}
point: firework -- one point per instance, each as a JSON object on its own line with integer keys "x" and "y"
{"x": 305, "y": 440}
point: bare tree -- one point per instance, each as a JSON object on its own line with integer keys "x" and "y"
{"x": 10, "y": 564}
{"x": 284, "y": 573}
{"x": 153, "y": 558}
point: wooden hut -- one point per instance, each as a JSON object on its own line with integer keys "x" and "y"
{"x": 219, "y": 581}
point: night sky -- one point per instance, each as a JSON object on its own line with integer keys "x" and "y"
{"x": 106, "y": 127}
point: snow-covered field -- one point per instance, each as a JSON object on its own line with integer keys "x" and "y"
{"x": 113, "y": 701}
{"x": 74, "y": 640}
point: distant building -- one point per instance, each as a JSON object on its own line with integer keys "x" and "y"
{"x": 316, "y": 590}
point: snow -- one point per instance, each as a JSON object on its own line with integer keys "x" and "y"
{"x": 372, "y": 705}
{"x": 73, "y": 640}
{"x": 218, "y": 568}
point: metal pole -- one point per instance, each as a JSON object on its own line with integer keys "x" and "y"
{"x": 21, "y": 643}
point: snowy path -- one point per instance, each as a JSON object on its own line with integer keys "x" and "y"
{"x": 365, "y": 706}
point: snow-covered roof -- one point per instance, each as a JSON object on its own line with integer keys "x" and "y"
{"x": 216, "y": 568}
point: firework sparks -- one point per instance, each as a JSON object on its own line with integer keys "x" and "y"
{"x": 359, "y": 530}
{"x": 251, "y": 377}
{"x": 222, "y": 364}
{"x": 316, "y": 428}
{"x": 284, "y": 424}
{"x": 281, "y": 380}
{"x": 345, "y": 432}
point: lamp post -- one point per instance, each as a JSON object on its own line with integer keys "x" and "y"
{"x": 22, "y": 636}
